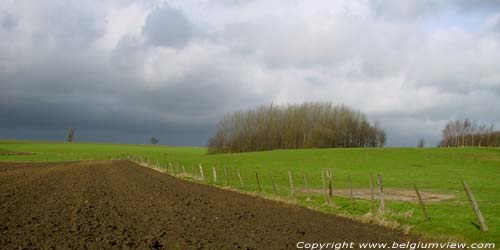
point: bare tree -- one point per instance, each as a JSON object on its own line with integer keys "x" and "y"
{"x": 490, "y": 132}
{"x": 154, "y": 140}
{"x": 421, "y": 143}
{"x": 71, "y": 134}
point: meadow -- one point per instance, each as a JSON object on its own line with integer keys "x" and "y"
{"x": 435, "y": 170}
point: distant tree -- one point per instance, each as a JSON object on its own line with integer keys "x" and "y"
{"x": 71, "y": 134}
{"x": 468, "y": 133}
{"x": 307, "y": 125}
{"x": 420, "y": 143}
{"x": 153, "y": 140}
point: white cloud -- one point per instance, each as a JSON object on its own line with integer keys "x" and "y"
{"x": 122, "y": 21}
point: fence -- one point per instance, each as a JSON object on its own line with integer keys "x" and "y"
{"x": 324, "y": 188}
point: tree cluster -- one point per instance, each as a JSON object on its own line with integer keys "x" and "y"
{"x": 308, "y": 125}
{"x": 468, "y": 133}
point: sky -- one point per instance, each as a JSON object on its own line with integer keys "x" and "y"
{"x": 123, "y": 71}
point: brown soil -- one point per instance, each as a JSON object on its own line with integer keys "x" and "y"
{"x": 389, "y": 194}
{"x": 121, "y": 205}
{"x": 8, "y": 152}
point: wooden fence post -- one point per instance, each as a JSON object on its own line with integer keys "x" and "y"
{"x": 201, "y": 172}
{"x": 372, "y": 194}
{"x": 351, "y": 193}
{"x": 183, "y": 170}
{"x": 307, "y": 187}
{"x": 274, "y": 185}
{"x": 258, "y": 182}
{"x": 327, "y": 200}
{"x": 168, "y": 167}
{"x": 227, "y": 176}
{"x": 214, "y": 173}
{"x": 330, "y": 187}
{"x": 381, "y": 193}
{"x": 241, "y": 179}
{"x": 422, "y": 205}
{"x": 291, "y": 182}
{"x": 473, "y": 202}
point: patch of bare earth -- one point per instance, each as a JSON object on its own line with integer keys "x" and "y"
{"x": 390, "y": 194}
{"x": 9, "y": 152}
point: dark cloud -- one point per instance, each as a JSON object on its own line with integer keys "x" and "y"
{"x": 7, "y": 21}
{"x": 166, "y": 26}
{"x": 128, "y": 55}
{"x": 140, "y": 113}
{"x": 91, "y": 97}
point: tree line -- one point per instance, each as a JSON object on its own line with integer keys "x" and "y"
{"x": 469, "y": 133}
{"x": 295, "y": 126}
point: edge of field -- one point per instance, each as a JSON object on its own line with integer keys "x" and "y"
{"x": 366, "y": 218}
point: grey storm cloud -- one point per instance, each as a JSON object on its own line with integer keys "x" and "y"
{"x": 127, "y": 70}
{"x": 166, "y": 26}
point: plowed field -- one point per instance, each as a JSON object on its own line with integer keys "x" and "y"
{"x": 121, "y": 205}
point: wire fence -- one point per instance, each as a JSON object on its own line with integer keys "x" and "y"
{"x": 370, "y": 194}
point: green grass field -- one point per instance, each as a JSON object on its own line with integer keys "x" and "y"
{"x": 437, "y": 170}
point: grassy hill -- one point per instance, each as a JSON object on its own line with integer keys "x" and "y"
{"x": 434, "y": 170}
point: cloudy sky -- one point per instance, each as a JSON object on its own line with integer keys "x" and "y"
{"x": 123, "y": 70}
